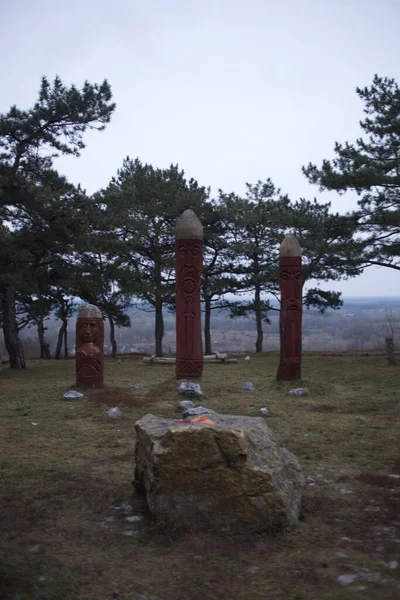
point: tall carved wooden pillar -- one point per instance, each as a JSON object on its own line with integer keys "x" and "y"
{"x": 291, "y": 286}
{"x": 89, "y": 349}
{"x": 188, "y": 267}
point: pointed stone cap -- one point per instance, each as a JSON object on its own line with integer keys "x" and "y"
{"x": 188, "y": 226}
{"x": 290, "y": 247}
{"x": 90, "y": 311}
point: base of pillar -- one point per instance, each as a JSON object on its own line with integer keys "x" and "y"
{"x": 188, "y": 368}
{"x": 89, "y": 383}
{"x": 288, "y": 372}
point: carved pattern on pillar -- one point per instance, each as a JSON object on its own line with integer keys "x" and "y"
{"x": 188, "y": 265}
{"x": 291, "y": 285}
{"x": 89, "y": 353}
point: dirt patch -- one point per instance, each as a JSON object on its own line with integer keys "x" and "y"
{"x": 396, "y": 467}
{"x": 117, "y": 396}
{"x": 361, "y": 408}
{"x": 324, "y": 408}
{"x": 380, "y": 480}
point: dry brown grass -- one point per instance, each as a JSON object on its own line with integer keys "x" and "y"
{"x": 63, "y": 467}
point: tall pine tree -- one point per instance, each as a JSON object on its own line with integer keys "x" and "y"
{"x": 29, "y": 142}
{"x": 371, "y": 167}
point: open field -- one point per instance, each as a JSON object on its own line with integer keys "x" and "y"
{"x": 64, "y": 467}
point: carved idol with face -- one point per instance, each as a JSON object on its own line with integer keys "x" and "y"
{"x": 89, "y": 357}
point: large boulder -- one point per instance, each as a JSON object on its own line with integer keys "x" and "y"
{"x": 232, "y": 474}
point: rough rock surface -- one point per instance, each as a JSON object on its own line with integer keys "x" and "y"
{"x": 185, "y": 405}
{"x": 232, "y": 474}
{"x": 190, "y": 389}
{"x": 197, "y": 411}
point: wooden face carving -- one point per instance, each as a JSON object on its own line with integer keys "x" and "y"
{"x": 292, "y": 286}
{"x": 88, "y": 331}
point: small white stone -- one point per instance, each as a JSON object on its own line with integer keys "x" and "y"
{"x": 189, "y": 388}
{"x": 391, "y": 564}
{"x": 129, "y": 532}
{"x": 114, "y": 413}
{"x": 185, "y": 405}
{"x": 252, "y": 570}
{"x": 344, "y": 491}
{"x": 347, "y": 579}
{"x": 72, "y": 395}
{"x": 246, "y": 358}
{"x": 341, "y": 555}
{"x": 133, "y": 518}
{"x": 249, "y": 386}
{"x": 264, "y": 411}
{"x": 298, "y": 392}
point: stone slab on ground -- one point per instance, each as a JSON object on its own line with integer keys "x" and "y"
{"x": 231, "y": 475}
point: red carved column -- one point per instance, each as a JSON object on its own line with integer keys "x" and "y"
{"x": 89, "y": 349}
{"x": 188, "y": 267}
{"x": 291, "y": 285}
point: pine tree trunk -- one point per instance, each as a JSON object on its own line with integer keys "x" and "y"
{"x": 44, "y": 347}
{"x": 60, "y": 338}
{"x": 112, "y": 337}
{"x": 159, "y": 327}
{"x": 389, "y": 345}
{"x": 257, "y": 310}
{"x": 41, "y": 337}
{"x": 10, "y": 329}
{"x": 66, "y": 339}
{"x": 207, "y": 325}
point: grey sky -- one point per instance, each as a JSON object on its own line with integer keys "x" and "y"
{"x": 233, "y": 91}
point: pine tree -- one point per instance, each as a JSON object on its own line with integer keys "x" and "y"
{"x": 371, "y": 167}
{"x": 145, "y": 204}
{"x": 255, "y": 229}
{"x": 29, "y": 187}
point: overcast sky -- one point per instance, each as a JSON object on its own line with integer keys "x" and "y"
{"x": 232, "y": 90}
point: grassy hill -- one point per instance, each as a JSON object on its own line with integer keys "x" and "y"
{"x": 65, "y": 469}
